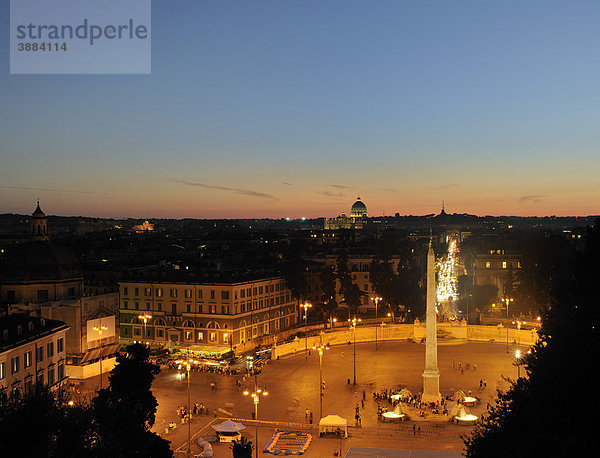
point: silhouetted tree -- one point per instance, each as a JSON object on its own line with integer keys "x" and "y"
{"x": 42, "y": 424}
{"x": 125, "y": 411}
{"x": 525, "y": 421}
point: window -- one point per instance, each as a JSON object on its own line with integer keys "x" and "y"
{"x": 60, "y": 345}
{"x": 173, "y": 309}
{"x": 28, "y": 385}
{"x": 224, "y": 294}
{"x": 136, "y": 292}
{"x": 160, "y": 333}
{"x": 125, "y": 291}
{"x": 28, "y": 358}
{"x": 61, "y": 370}
{"x": 188, "y": 307}
{"x": 173, "y": 292}
{"x": 226, "y": 338}
{"x": 15, "y": 364}
{"x": 136, "y": 305}
{"x": 159, "y": 292}
{"x": 213, "y": 336}
{"x": 39, "y": 354}
{"x": 125, "y": 305}
{"x": 50, "y": 375}
{"x": 260, "y": 290}
{"x": 488, "y": 264}
{"x": 159, "y": 306}
{"x": 147, "y": 291}
{"x": 504, "y": 264}
{"x": 42, "y": 294}
{"x": 199, "y": 293}
{"x": 212, "y": 293}
{"x": 188, "y": 293}
{"x": 254, "y": 291}
{"x": 2, "y": 370}
{"x": 189, "y": 335}
{"x": 200, "y": 335}
{"x": 137, "y": 332}
{"x": 39, "y": 380}
{"x": 242, "y": 294}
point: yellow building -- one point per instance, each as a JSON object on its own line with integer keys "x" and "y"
{"x": 32, "y": 352}
{"x": 201, "y": 316}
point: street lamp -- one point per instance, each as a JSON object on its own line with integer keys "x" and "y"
{"x": 100, "y": 328}
{"x": 189, "y": 420}
{"x": 306, "y": 306}
{"x": 507, "y": 301}
{"x": 321, "y": 349}
{"x": 353, "y": 322}
{"x": 256, "y": 393}
{"x": 376, "y": 299}
{"x": 518, "y": 361}
{"x": 145, "y": 317}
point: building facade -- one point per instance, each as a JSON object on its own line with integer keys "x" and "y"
{"x": 32, "y": 352}
{"x": 498, "y": 268}
{"x": 209, "y": 317}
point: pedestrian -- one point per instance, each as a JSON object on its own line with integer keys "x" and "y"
{"x": 419, "y": 430}
{"x": 414, "y": 430}
{"x": 362, "y": 403}
{"x": 310, "y": 417}
{"x": 364, "y": 395}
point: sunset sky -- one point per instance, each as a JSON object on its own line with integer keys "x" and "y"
{"x": 293, "y": 108}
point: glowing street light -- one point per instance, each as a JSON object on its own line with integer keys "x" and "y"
{"x": 256, "y": 393}
{"x": 306, "y": 306}
{"x": 100, "y": 328}
{"x": 518, "y": 362}
{"x": 376, "y": 299}
{"x": 145, "y": 317}
{"x": 321, "y": 381}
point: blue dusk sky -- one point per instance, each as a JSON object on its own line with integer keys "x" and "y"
{"x": 293, "y": 108}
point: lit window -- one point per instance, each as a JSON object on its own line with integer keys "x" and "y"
{"x": 504, "y": 264}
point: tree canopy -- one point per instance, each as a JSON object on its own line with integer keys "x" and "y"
{"x": 549, "y": 411}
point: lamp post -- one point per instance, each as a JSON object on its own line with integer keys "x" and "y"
{"x": 256, "y": 393}
{"x": 189, "y": 420}
{"x": 353, "y": 322}
{"x": 507, "y": 301}
{"x": 100, "y": 328}
{"x": 321, "y": 349}
{"x": 517, "y": 362}
{"x": 306, "y": 306}
{"x": 145, "y": 317}
{"x": 376, "y": 299}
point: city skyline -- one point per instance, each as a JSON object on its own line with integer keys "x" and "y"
{"x": 292, "y": 110}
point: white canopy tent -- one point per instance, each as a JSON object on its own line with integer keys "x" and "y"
{"x": 332, "y": 424}
{"x": 228, "y": 426}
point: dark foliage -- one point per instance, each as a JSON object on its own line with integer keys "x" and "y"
{"x": 550, "y": 412}
{"x": 125, "y": 411}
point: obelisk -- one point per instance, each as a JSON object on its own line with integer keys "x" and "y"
{"x": 431, "y": 374}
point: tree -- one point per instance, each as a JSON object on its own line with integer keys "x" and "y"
{"x": 348, "y": 289}
{"x": 42, "y": 424}
{"x": 327, "y": 277}
{"x": 524, "y": 422}
{"x": 125, "y": 411}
